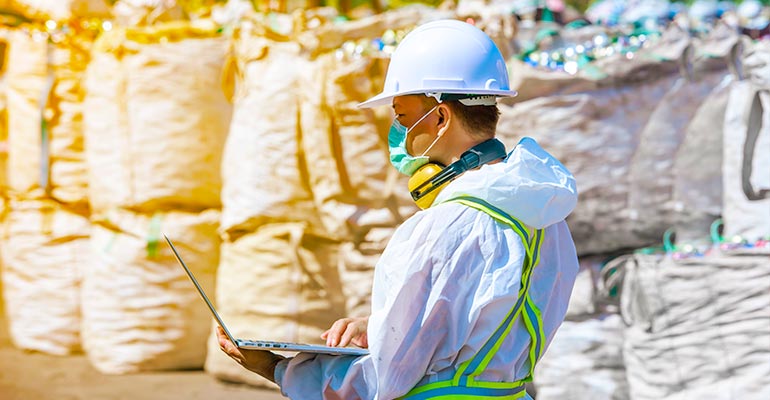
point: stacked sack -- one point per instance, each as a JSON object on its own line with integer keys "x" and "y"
{"x": 305, "y": 216}
{"x": 612, "y": 125}
{"x": 57, "y": 10}
{"x": 585, "y": 357}
{"x": 3, "y": 125}
{"x": 746, "y": 143}
{"x": 653, "y": 204}
{"x": 3, "y": 144}
{"x": 155, "y": 131}
{"x": 696, "y": 315}
{"x": 697, "y": 164}
{"x": 45, "y": 237}
{"x": 698, "y": 325}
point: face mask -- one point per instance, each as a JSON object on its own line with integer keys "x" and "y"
{"x": 400, "y": 158}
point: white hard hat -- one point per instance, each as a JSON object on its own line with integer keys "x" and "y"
{"x": 446, "y": 57}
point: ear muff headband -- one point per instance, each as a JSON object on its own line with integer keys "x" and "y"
{"x": 478, "y": 155}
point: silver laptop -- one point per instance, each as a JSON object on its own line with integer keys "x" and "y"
{"x": 264, "y": 344}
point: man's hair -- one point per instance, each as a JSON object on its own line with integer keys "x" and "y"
{"x": 479, "y": 121}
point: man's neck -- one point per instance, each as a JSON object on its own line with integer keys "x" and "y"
{"x": 462, "y": 143}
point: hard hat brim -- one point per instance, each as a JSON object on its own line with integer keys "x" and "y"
{"x": 385, "y": 99}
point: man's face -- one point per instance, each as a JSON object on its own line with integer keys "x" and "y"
{"x": 409, "y": 109}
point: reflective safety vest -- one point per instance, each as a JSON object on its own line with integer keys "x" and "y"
{"x": 464, "y": 384}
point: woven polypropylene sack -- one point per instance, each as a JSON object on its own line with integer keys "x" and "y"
{"x": 262, "y": 166}
{"x": 531, "y": 83}
{"x": 745, "y": 176}
{"x": 360, "y": 198}
{"x": 44, "y": 250}
{"x": 157, "y": 119}
{"x": 3, "y": 132}
{"x": 57, "y": 10}
{"x": 140, "y": 310}
{"x": 148, "y": 12}
{"x": 277, "y": 283}
{"x": 697, "y": 327}
{"x": 343, "y": 144}
{"x": 50, "y": 161}
{"x": 584, "y": 361}
{"x": 595, "y": 134}
{"x": 697, "y": 168}
{"x": 585, "y": 358}
{"x": 321, "y": 158}
{"x": 651, "y": 176}
{"x": 746, "y": 141}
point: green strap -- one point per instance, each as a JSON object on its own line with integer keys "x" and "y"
{"x": 153, "y": 235}
{"x": 45, "y": 147}
{"x": 716, "y": 237}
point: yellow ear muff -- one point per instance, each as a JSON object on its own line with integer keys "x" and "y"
{"x": 422, "y": 175}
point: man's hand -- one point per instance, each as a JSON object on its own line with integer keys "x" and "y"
{"x": 346, "y": 331}
{"x": 260, "y": 361}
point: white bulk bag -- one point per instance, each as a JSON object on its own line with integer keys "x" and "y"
{"x": 140, "y": 310}
{"x": 651, "y": 176}
{"x": 697, "y": 168}
{"x": 278, "y": 283}
{"x": 157, "y": 119}
{"x": 45, "y": 111}
{"x": 698, "y": 327}
{"x": 595, "y": 134}
{"x": 262, "y": 163}
{"x": 584, "y": 361}
{"x": 746, "y": 163}
{"x": 57, "y": 10}
{"x": 44, "y": 250}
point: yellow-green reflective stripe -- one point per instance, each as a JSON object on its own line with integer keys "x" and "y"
{"x": 474, "y": 397}
{"x": 534, "y": 250}
{"x": 537, "y": 244}
{"x": 447, "y": 384}
{"x": 534, "y": 327}
{"x": 497, "y": 214}
{"x": 464, "y": 386}
{"x": 533, "y": 320}
{"x": 479, "y": 361}
{"x": 539, "y": 236}
{"x": 498, "y": 337}
{"x": 444, "y": 390}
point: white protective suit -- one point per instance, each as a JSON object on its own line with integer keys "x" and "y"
{"x": 446, "y": 281}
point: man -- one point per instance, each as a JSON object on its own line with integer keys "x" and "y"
{"x": 469, "y": 292}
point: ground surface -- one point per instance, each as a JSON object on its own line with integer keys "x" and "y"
{"x": 33, "y": 376}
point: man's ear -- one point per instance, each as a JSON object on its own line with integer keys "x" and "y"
{"x": 444, "y": 115}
